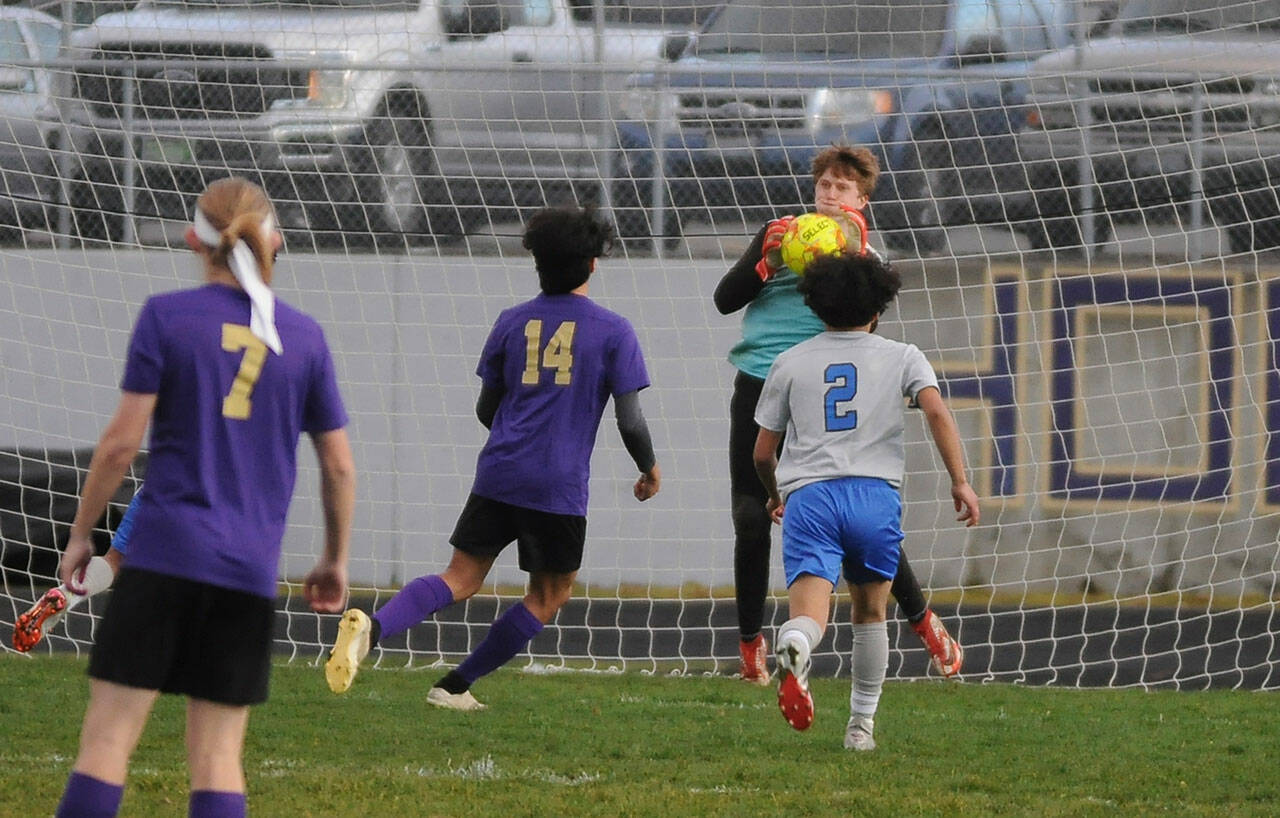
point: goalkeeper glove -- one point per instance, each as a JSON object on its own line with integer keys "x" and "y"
{"x": 771, "y": 251}
{"x": 855, "y": 229}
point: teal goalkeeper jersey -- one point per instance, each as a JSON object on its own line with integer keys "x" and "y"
{"x": 775, "y": 320}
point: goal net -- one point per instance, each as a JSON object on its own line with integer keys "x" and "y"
{"x": 1079, "y": 196}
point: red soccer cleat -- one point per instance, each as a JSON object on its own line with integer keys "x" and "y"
{"x": 754, "y": 656}
{"x": 794, "y": 701}
{"x": 27, "y": 630}
{"x": 945, "y": 653}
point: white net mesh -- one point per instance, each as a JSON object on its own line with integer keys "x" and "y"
{"x": 1083, "y": 234}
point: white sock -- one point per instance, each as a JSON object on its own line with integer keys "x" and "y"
{"x": 870, "y": 663}
{"x": 804, "y": 633}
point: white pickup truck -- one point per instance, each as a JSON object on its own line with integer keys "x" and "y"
{"x": 393, "y": 119}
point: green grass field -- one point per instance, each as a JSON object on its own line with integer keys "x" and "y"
{"x": 631, "y": 744}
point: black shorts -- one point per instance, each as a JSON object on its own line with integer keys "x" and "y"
{"x": 180, "y": 636}
{"x": 548, "y": 543}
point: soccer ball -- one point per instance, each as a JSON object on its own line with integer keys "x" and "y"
{"x": 808, "y": 237}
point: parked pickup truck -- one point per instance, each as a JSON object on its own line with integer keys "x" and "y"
{"x": 387, "y": 118}
{"x": 1170, "y": 106}
{"x": 934, "y": 87}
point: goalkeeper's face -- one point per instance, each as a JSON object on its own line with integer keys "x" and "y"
{"x": 832, "y": 193}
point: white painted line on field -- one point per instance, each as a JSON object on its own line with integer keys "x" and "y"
{"x": 627, "y": 698}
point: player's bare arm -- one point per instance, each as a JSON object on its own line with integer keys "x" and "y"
{"x": 947, "y": 438}
{"x": 325, "y": 586}
{"x": 114, "y": 454}
{"x": 766, "y": 460}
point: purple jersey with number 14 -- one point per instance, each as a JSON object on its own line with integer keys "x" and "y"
{"x": 557, "y": 360}
{"x": 224, "y": 435}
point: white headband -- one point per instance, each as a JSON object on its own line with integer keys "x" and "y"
{"x": 244, "y": 266}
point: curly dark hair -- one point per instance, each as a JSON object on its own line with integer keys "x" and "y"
{"x": 849, "y": 289}
{"x": 563, "y": 241}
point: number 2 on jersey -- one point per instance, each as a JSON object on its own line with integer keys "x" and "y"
{"x": 557, "y": 355}
{"x": 235, "y": 337}
{"x": 844, "y": 380}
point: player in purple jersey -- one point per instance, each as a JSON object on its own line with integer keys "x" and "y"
{"x": 835, "y": 490}
{"x": 228, "y": 378}
{"x": 547, "y": 370}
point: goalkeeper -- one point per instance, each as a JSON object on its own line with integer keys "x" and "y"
{"x": 776, "y": 319}
{"x": 97, "y": 577}
{"x": 547, "y": 370}
{"x": 228, "y": 378}
{"x": 840, "y": 474}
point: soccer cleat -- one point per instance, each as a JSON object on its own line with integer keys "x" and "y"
{"x": 440, "y": 697}
{"x": 945, "y": 653}
{"x": 754, "y": 665}
{"x": 351, "y": 646}
{"x": 794, "y": 699}
{"x": 857, "y": 736}
{"x": 29, "y": 629}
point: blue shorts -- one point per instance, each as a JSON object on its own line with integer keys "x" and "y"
{"x": 851, "y": 521}
{"x": 120, "y": 541}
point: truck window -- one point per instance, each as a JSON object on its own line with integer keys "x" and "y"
{"x": 1191, "y": 16}
{"x": 538, "y": 13}
{"x": 862, "y": 29}
{"x": 13, "y": 47}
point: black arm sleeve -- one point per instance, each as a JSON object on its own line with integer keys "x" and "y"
{"x": 741, "y": 284}
{"x": 487, "y": 404}
{"x": 634, "y": 430}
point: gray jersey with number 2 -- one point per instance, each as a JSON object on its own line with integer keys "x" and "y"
{"x": 839, "y": 399}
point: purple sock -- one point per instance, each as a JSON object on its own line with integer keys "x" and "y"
{"x": 214, "y": 804}
{"x": 415, "y": 602}
{"x": 89, "y": 797}
{"x": 507, "y": 636}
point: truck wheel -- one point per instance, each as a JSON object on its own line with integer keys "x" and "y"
{"x": 924, "y": 203}
{"x": 97, "y": 209}
{"x": 634, "y": 219}
{"x": 402, "y": 198}
{"x": 1059, "y": 225}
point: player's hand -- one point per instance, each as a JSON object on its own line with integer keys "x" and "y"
{"x": 648, "y": 484}
{"x": 771, "y": 251}
{"x": 325, "y": 587}
{"x": 776, "y": 509}
{"x": 966, "y": 503}
{"x": 855, "y": 229}
{"x": 74, "y": 562}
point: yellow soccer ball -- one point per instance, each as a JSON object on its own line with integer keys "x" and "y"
{"x": 808, "y": 237}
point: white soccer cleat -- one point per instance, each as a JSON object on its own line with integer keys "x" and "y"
{"x": 351, "y": 646}
{"x": 440, "y": 697}
{"x": 857, "y": 736}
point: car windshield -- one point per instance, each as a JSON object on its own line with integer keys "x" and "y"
{"x": 863, "y": 29}
{"x": 1191, "y": 16}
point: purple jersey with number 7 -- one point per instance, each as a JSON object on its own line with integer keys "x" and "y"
{"x": 557, "y": 360}
{"x": 224, "y": 435}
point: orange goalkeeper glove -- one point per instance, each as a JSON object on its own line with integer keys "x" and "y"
{"x": 771, "y": 251}
{"x": 855, "y": 229}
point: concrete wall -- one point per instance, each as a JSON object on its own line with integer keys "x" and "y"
{"x": 1128, "y": 456}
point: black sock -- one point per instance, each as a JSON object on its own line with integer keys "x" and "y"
{"x": 453, "y": 684}
{"x": 751, "y": 638}
{"x": 906, "y": 590}
{"x": 375, "y": 631}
